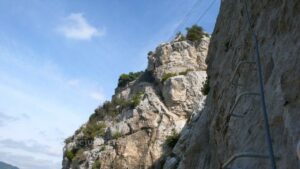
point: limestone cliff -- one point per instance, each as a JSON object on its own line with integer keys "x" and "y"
{"x": 216, "y": 135}
{"x": 138, "y": 128}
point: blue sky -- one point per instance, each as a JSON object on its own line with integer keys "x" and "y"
{"x": 60, "y": 59}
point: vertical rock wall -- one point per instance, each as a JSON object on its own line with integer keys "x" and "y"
{"x": 215, "y": 135}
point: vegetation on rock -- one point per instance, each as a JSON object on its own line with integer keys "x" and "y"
{"x": 94, "y": 129}
{"x": 172, "y": 139}
{"x": 136, "y": 99}
{"x": 167, "y": 76}
{"x": 96, "y": 165}
{"x": 70, "y": 154}
{"x": 205, "y": 88}
{"x": 185, "y": 72}
{"x": 116, "y": 135}
{"x": 124, "y": 79}
{"x": 115, "y": 107}
{"x": 79, "y": 156}
{"x": 195, "y": 33}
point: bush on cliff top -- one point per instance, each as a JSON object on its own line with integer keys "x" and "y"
{"x": 115, "y": 107}
{"x": 195, "y": 33}
{"x": 94, "y": 129}
{"x": 124, "y": 79}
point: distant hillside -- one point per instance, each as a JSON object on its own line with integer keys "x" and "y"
{"x": 7, "y": 166}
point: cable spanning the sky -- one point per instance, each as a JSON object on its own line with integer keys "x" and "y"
{"x": 206, "y": 10}
{"x": 185, "y": 18}
{"x": 189, "y": 13}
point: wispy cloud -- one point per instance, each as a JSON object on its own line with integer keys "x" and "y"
{"x": 6, "y": 118}
{"x": 36, "y": 103}
{"x": 29, "y": 146}
{"x": 76, "y": 26}
{"x": 28, "y": 162}
{"x": 73, "y": 82}
{"x": 98, "y": 96}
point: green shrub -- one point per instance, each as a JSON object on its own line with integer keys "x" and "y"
{"x": 150, "y": 53}
{"x": 111, "y": 109}
{"x": 116, "y": 135}
{"x": 172, "y": 139}
{"x": 136, "y": 100}
{"x": 103, "y": 148}
{"x": 205, "y": 88}
{"x": 195, "y": 33}
{"x": 70, "y": 154}
{"x": 185, "y": 72}
{"x": 96, "y": 165}
{"x": 94, "y": 129}
{"x": 167, "y": 76}
{"x": 79, "y": 156}
{"x": 124, "y": 79}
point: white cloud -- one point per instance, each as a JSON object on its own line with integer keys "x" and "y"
{"x": 97, "y": 96}
{"x": 28, "y": 162}
{"x": 73, "y": 82}
{"x": 75, "y": 26}
{"x": 6, "y": 118}
{"x": 40, "y": 101}
{"x": 29, "y": 146}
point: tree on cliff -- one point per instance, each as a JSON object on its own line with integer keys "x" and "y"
{"x": 195, "y": 33}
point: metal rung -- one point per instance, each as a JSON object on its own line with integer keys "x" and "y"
{"x": 245, "y": 154}
{"x": 237, "y": 68}
{"x": 237, "y": 101}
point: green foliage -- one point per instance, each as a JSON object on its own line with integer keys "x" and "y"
{"x": 136, "y": 99}
{"x": 124, "y": 79}
{"x": 103, "y": 148}
{"x": 150, "y": 53}
{"x": 111, "y": 109}
{"x": 79, "y": 156}
{"x": 116, "y": 135}
{"x": 70, "y": 154}
{"x": 172, "y": 139}
{"x": 94, "y": 129}
{"x": 96, "y": 165}
{"x": 167, "y": 76}
{"x": 205, "y": 88}
{"x": 185, "y": 72}
{"x": 195, "y": 33}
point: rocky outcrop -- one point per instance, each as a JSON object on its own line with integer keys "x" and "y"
{"x": 152, "y": 108}
{"x": 171, "y": 101}
{"x": 215, "y": 135}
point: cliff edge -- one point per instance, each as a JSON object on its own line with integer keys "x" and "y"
{"x": 140, "y": 125}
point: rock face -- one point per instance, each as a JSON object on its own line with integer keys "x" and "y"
{"x": 165, "y": 97}
{"x": 214, "y": 135}
{"x": 171, "y": 101}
